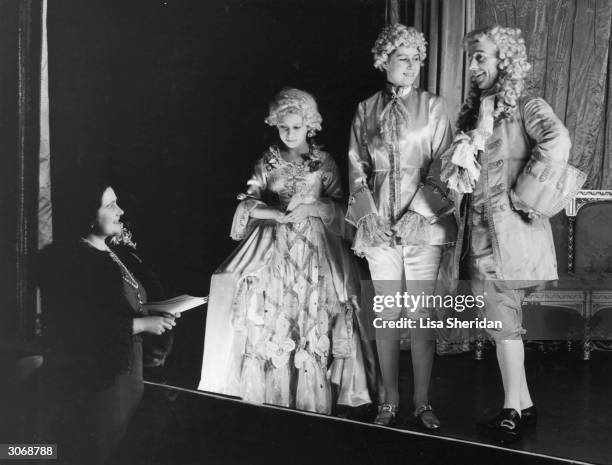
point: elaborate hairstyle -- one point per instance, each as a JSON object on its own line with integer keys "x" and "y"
{"x": 394, "y": 36}
{"x": 510, "y": 84}
{"x": 295, "y": 101}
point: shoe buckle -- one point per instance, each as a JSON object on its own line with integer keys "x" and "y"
{"x": 387, "y": 407}
{"x": 422, "y": 409}
{"x": 509, "y": 424}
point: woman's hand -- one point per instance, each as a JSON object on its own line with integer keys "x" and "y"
{"x": 301, "y": 213}
{"x": 263, "y": 212}
{"x": 153, "y": 324}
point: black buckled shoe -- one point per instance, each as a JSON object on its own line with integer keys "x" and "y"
{"x": 529, "y": 417}
{"x": 505, "y": 428}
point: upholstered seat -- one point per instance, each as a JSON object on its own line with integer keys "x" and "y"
{"x": 586, "y": 286}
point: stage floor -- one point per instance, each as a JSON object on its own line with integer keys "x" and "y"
{"x": 178, "y": 426}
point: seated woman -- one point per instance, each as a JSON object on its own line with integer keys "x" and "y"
{"x": 282, "y": 324}
{"x": 93, "y": 322}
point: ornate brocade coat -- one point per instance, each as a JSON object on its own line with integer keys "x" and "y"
{"x": 526, "y": 157}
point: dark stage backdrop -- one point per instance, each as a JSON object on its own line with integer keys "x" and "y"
{"x": 167, "y": 100}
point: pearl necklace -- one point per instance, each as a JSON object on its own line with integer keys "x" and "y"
{"x": 125, "y": 273}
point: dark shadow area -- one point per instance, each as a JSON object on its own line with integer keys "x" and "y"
{"x": 166, "y": 99}
{"x": 178, "y": 427}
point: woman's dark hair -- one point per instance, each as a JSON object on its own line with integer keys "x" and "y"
{"x": 87, "y": 201}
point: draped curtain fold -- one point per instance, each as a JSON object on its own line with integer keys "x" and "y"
{"x": 444, "y": 23}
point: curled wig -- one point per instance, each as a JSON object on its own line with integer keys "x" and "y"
{"x": 298, "y": 102}
{"x": 394, "y": 36}
{"x": 510, "y": 84}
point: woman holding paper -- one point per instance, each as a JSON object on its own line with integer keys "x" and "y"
{"x": 93, "y": 322}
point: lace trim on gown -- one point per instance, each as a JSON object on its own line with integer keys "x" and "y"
{"x": 242, "y": 224}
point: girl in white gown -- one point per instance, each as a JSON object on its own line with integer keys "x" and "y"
{"x": 283, "y": 322}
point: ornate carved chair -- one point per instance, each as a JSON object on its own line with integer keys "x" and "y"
{"x": 587, "y": 285}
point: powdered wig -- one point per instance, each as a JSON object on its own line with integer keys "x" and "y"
{"x": 510, "y": 84}
{"x": 393, "y": 37}
{"x": 294, "y": 101}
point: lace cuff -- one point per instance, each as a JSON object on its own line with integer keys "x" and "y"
{"x": 360, "y": 204}
{"x": 240, "y": 224}
{"x": 412, "y": 228}
{"x": 365, "y": 237}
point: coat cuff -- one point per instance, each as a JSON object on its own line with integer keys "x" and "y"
{"x": 360, "y": 204}
{"x": 365, "y": 237}
{"x": 431, "y": 201}
{"x": 546, "y": 186}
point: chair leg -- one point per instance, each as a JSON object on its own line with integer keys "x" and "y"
{"x": 586, "y": 349}
{"x": 479, "y": 346}
{"x": 586, "y": 341}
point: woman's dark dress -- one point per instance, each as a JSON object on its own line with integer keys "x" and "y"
{"x": 93, "y": 362}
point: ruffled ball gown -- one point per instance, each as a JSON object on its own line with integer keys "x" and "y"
{"x": 283, "y": 323}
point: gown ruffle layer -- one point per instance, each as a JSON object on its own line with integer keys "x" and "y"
{"x": 284, "y": 325}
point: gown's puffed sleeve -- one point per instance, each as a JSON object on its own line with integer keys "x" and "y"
{"x": 432, "y": 199}
{"x": 256, "y": 187}
{"x": 330, "y": 206}
{"x": 547, "y": 181}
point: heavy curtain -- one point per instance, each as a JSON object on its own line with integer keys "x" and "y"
{"x": 444, "y": 23}
{"x": 568, "y": 43}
